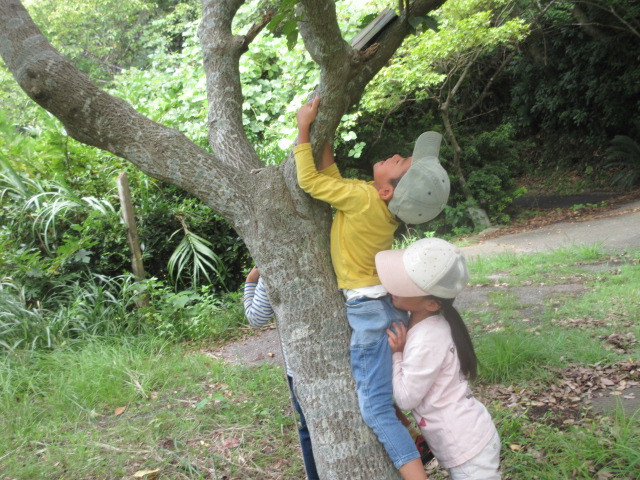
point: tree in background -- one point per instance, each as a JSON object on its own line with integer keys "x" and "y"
{"x": 576, "y": 84}
{"x": 285, "y": 231}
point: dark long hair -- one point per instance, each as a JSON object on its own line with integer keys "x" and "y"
{"x": 461, "y": 337}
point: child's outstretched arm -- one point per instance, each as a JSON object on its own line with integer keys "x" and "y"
{"x": 257, "y": 307}
{"x": 327, "y": 184}
{"x": 305, "y": 117}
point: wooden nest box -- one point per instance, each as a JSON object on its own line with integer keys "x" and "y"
{"x": 371, "y": 32}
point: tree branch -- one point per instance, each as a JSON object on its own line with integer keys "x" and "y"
{"x": 389, "y": 41}
{"x": 96, "y": 118}
{"x": 222, "y": 51}
{"x": 628, "y": 26}
{"x": 321, "y": 35}
{"x": 345, "y": 72}
{"x": 585, "y": 24}
{"x": 257, "y": 28}
{"x": 323, "y": 40}
{"x": 506, "y": 61}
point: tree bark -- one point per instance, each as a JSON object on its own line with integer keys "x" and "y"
{"x": 286, "y": 231}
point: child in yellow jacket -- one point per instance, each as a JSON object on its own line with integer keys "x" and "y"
{"x": 411, "y": 189}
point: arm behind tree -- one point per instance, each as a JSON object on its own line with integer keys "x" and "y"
{"x": 327, "y": 158}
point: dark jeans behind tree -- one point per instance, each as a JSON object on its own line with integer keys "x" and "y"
{"x": 305, "y": 438}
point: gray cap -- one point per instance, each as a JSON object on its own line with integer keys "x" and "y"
{"x": 423, "y": 191}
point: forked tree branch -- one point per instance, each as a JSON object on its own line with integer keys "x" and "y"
{"x": 96, "y": 118}
{"x": 346, "y": 72}
{"x": 256, "y": 28}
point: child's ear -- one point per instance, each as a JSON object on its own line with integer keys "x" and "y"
{"x": 386, "y": 192}
{"x": 432, "y": 305}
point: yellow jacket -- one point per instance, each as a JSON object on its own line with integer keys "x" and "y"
{"x": 362, "y": 225}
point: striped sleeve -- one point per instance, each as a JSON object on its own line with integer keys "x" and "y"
{"x": 257, "y": 307}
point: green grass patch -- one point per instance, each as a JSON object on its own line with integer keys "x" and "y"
{"x": 605, "y": 447}
{"x": 511, "y": 357}
{"x": 108, "y": 409}
{"x": 547, "y": 267}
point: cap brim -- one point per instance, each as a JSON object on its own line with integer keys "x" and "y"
{"x": 393, "y": 275}
{"x": 427, "y": 145}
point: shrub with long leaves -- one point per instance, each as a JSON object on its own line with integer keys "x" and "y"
{"x": 92, "y": 305}
{"x": 21, "y": 324}
{"x": 59, "y": 205}
{"x": 195, "y": 252}
{"x": 623, "y": 155}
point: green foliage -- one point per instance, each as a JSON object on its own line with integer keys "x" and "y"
{"x": 195, "y": 251}
{"x": 98, "y": 306}
{"x": 53, "y": 233}
{"x": 59, "y": 216}
{"x": 192, "y": 315}
{"x": 275, "y": 83}
{"x": 86, "y": 307}
{"x": 581, "y": 82}
{"x": 285, "y": 22}
{"x": 130, "y": 32}
{"x": 425, "y": 62}
{"x": 491, "y": 162}
{"x": 413, "y": 235}
{"x": 623, "y": 155}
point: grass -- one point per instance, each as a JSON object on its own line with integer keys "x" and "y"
{"x": 605, "y": 447}
{"x": 103, "y": 410}
{"x": 108, "y": 408}
{"x": 569, "y": 328}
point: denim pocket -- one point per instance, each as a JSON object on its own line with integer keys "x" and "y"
{"x": 369, "y": 319}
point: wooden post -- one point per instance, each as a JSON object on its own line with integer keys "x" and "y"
{"x": 132, "y": 233}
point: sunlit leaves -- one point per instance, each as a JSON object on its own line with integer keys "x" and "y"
{"x": 69, "y": 26}
{"x": 426, "y": 61}
{"x": 285, "y": 22}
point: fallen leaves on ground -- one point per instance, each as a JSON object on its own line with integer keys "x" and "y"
{"x": 565, "y": 402}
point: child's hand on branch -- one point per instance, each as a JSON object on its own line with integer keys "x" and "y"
{"x": 307, "y": 115}
{"x": 397, "y": 337}
{"x": 254, "y": 275}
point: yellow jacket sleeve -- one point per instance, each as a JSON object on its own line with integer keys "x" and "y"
{"x": 328, "y": 185}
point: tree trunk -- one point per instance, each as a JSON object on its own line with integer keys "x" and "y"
{"x": 286, "y": 231}
{"x": 290, "y": 246}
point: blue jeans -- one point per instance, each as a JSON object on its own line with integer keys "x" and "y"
{"x": 305, "y": 438}
{"x": 372, "y": 371}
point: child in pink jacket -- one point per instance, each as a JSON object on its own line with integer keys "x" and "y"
{"x": 433, "y": 358}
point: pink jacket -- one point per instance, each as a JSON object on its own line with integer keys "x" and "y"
{"x": 427, "y": 380}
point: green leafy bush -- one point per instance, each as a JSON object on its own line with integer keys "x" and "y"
{"x": 580, "y": 81}
{"x": 192, "y": 315}
{"x": 491, "y": 161}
